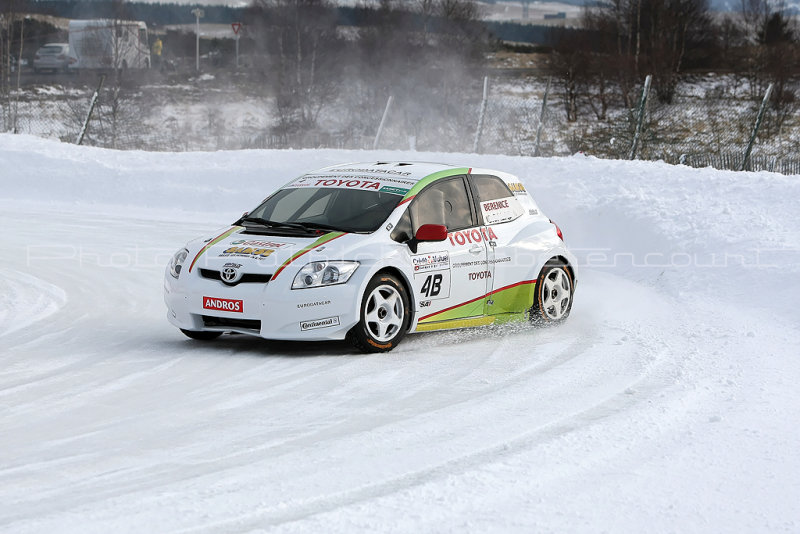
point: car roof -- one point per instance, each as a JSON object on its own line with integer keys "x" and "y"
{"x": 409, "y": 170}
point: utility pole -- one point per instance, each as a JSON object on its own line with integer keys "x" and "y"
{"x": 198, "y": 13}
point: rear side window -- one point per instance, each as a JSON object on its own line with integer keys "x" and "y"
{"x": 490, "y": 188}
{"x": 496, "y": 202}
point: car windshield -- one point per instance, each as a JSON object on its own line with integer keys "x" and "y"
{"x": 327, "y": 208}
{"x": 50, "y": 49}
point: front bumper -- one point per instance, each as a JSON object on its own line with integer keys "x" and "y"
{"x": 272, "y": 310}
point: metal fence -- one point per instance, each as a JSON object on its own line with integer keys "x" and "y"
{"x": 709, "y": 123}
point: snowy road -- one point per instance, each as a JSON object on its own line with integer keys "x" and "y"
{"x": 668, "y": 402}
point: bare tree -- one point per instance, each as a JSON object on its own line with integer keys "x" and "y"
{"x": 11, "y": 27}
{"x": 302, "y": 49}
{"x": 772, "y": 56}
{"x": 649, "y": 37}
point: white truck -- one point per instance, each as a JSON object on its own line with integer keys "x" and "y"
{"x": 108, "y": 44}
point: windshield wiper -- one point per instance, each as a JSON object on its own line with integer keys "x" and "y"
{"x": 273, "y": 224}
{"x": 321, "y": 226}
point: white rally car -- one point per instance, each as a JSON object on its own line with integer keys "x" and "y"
{"x": 373, "y": 251}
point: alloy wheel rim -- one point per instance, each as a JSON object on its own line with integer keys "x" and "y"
{"x": 384, "y": 313}
{"x": 556, "y": 294}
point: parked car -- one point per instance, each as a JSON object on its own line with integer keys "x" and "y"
{"x": 53, "y": 57}
{"x": 373, "y": 251}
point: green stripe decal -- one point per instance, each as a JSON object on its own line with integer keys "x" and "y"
{"x": 214, "y": 242}
{"x": 321, "y": 241}
{"x": 510, "y": 299}
{"x": 419, "y": 186}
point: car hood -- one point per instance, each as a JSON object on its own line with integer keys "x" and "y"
{"x": 257, "y": 254}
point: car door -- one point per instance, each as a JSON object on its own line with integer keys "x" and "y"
{"x": 501, "y": 215}
{"x": 450, "y": 277}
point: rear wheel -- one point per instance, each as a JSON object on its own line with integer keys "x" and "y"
{"x": 385, "y": 315}
{"x": 552, "y": 300}
{"x": 201, "y": 335}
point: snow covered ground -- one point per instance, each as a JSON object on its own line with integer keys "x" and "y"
{"x": 669, "y": 402}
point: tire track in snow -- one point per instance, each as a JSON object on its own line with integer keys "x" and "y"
{"x": 25, "y": 300}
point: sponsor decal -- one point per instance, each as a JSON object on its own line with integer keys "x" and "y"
{"x": 391, "y": 172}
{"x": 213, "y": 242}
{"x": 383, "y": 182}
{"x": 319, "y": 323}
{"x": 227, "y": 305}
{"x": 476, "y": 263}
{"x": 393, "y": 190}
{"x": 312, "y": 304}
{"x": 389, "y": 226}
{"x": 480, "y": 275}
{"x": 431, "y": 262}
{"x": 517, "y": 188}
{"x": 350, "y": 184}
{"x": 501, "y": 210}
{"x": 474, "y": 235}
{"x": 424, "y": 303}
{"x": 533, "y": 212}
{"x": 259, "y": 243}
{"x": 247, "y": 252}
{"x": 493, "y": 205}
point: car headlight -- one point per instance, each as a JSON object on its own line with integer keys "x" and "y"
{"x": 176, "y": 263}
{"x": 324, "y": 273}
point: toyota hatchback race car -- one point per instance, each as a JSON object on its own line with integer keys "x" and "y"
{"x": 373, "y": 251}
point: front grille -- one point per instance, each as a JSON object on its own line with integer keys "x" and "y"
{"x": 227, "y": 322}
{"x": 247, "y": 278}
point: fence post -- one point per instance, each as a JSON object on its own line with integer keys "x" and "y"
{"x": 541, "y": 118}
{"x": 640, "y": 118}
{"x": 759, "y": 118}
{"x": 383, "y": 121}
{"x": 482, "y": 114}
{"x": 91, "y": 109}
{"x": 19, "y": 71}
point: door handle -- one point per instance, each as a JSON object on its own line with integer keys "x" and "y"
{"x": 476, "y": 249}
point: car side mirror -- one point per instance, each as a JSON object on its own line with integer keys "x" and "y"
{"x": 431, "y": 232}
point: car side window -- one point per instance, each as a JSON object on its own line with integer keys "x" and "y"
{"x": 495, "y": 201}
{"x": 403, "y": 231}
{"x": 490, "y": 188}
{"x": 445, "y": 202}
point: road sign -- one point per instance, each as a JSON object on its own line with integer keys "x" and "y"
{"x": 236, "y": 27}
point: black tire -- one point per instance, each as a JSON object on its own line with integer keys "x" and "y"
{"x": 553, "y": 294}
{"x": 201, "y": 335}
{"x": 385, "y": 315}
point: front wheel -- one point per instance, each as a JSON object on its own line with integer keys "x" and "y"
{"x": 202, "y": 335}
{"x": 385, "y": 315}
{"x": 552, "y": 300}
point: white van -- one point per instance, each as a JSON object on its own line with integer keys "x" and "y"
{"x": 108, "y": 44}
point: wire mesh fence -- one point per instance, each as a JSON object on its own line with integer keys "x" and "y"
{"x": 706, "y": 124}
